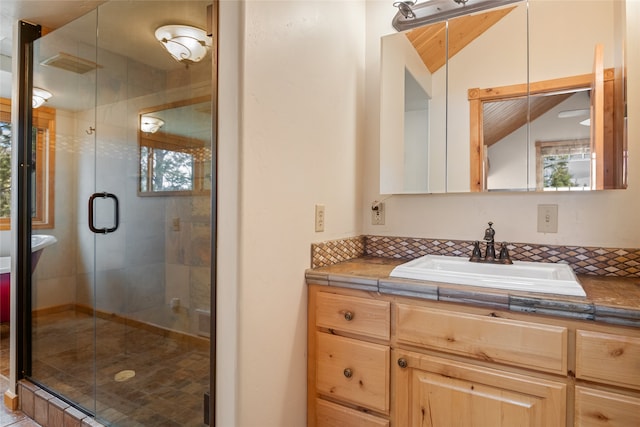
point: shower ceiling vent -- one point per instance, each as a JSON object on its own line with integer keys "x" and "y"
{"x": 71, "y": 63}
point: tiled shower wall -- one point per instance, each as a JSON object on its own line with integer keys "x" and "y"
{"x": 188, "y": 256}
{"x": 621, "y": 262}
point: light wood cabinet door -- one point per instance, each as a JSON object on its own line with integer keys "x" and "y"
{"x": 598, "y": 408}
{"x": 435, "y": 392}
{"x": 608, "y": 358}
{"x": 353, "y": 371}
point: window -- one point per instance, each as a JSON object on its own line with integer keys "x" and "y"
{"x": 42, "y": 175}
{"x": 563, "y": 165}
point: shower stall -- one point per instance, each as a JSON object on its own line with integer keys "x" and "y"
{"x": 119, "y": 311}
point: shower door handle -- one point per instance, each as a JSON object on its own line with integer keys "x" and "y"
{"x": 116, "y": 213}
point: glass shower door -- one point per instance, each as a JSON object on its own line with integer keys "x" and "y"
{"x": 62, "y": 321}
{"x": 136, "y": 309}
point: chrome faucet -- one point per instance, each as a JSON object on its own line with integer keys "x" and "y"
{"x": 490, "y": 251}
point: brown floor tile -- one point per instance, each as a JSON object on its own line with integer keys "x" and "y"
{"x": 167, "y": 390}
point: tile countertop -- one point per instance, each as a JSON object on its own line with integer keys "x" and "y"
{"x": 613, "y": 300}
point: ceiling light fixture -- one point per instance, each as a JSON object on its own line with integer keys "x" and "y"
{"x": 150, "y": 124}
{"x": 39, "y": 97}
{"x": 184, "y": 43}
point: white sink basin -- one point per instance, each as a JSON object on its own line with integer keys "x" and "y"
{"x": 41, "y": 241}
{"x": 525, "y": 276}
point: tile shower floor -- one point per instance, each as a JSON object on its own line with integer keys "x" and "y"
{"x": 142, "y": 377}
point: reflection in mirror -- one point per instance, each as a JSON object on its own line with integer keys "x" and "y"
{"x": 554, "y": 110}
{"x": 495, "y": 54}
{"x": 175, "y": 148}
{"x": 413, "y": 108}
{"x": 496, "y": 145}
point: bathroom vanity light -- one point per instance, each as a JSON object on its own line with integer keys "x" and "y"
{"x": 39, "y": 97}
{"x": 412, "y": 15}
{"x": 150, "y": 124}
{"x": 184, "y": 43}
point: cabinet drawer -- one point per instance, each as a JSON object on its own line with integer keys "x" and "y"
{"x": 353, "y": 371}
{"x": 613, "y": 359}
{"x": 530, "y": 345}
{"x": 597, "y": 408}
{"x": 352, "y": 314}
{"x": 332, "y": 415}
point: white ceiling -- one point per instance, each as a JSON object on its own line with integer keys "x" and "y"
{"x": 135, "y": 27}
{"x": 50, "y": 14}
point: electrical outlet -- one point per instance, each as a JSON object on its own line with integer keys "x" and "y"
{"x": 377, "y": 214}
{"x": 547, "y": 218}
{"x": 319, "y": 218}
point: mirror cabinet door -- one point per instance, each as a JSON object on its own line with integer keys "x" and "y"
{"x": 487, "y": 142}
{"x": 506, "y": 100}
{"x": 413, "y": 111}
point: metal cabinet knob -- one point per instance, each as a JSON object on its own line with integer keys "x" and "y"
{"x": 348, "y": 372}
{"x": 348, "y": 316}
{"x": 402, "y": 362}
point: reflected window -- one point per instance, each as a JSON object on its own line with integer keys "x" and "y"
{"x": 563, "y": 165}
{"x": 175, "y": 148}
{"x": 166, "y": 170}
{"x": 42, "y": 173}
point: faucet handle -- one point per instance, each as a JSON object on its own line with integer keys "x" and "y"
{"x": 476, "y": 255}
{"x": 504, "y": 254}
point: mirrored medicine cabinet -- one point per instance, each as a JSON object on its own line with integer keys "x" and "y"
{"x": 525, "y": 97}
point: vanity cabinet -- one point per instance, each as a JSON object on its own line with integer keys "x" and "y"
{"x": 606, "y": 359}
{"x": 349, "y": 359}
{"x": 383, "y": 360}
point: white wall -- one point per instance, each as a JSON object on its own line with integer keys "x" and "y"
{"x": 292, "y": 133}
{"x": 300, "y": 93}
{"x": 605, "y": 218}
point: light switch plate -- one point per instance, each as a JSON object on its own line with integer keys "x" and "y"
{"x": 547, "y": 218}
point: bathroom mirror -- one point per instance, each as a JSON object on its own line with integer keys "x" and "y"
{"x": 175, "y": 148}
{"x": 472, "y": 136}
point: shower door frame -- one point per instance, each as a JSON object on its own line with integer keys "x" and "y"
{"x": 21, "y": 200}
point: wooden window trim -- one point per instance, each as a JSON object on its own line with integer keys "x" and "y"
{"x": 44, "y": 119}
{"x": 478, "y": 96}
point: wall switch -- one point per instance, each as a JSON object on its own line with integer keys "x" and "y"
{"x": 319, "y": 218}
{"x": 175, "y": 224}
{"x": 377, "y": 213}
{"x": 547, "y": 218}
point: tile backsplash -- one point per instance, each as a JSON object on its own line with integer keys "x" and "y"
{"x": 621, "y": 262}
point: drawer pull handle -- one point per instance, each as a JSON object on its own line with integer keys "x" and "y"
{"x": 402, "y": 362}
{"x": 348, "y": 372}
{"x": 348, "y": 316}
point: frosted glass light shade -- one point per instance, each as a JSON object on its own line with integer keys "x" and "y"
{"x": 150, "y": 124}
{"x": 184, "y": 43}
{"x": 39, "y": 97}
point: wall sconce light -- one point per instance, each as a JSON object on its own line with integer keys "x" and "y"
{"x": 184, "y": 43}
{"x": 39, "y": 97}
{"x": 150, "y": 124}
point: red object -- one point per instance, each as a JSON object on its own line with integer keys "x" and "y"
{"x": 5, "y": 285}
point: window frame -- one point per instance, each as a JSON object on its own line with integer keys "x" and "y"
{"x": 44, "y": 121}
